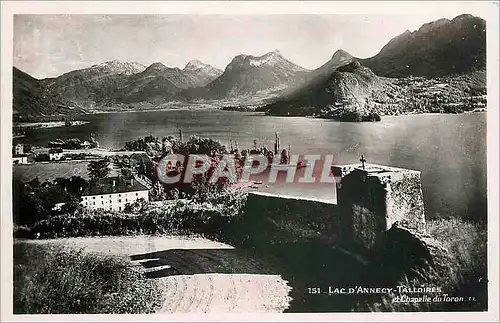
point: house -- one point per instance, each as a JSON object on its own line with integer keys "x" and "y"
{"x": 56, "y": 153}
{"x": 18, "y": 155}
{"x": 18, "y": 149}
{"x": 20, "y": 159}
{"x": 114, "y": 193}
{"x": 60, "y": 200}
{"x": 86, "y": 145}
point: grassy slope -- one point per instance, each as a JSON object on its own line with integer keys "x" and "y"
{"x": 466, "y": 243}
{"x": 56, "y": 281}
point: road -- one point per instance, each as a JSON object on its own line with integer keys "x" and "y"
{"x": 195, "y": 275}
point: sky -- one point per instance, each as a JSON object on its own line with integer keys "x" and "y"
{"x": 50, "y": 45}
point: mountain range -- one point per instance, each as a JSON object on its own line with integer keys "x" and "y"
{"x": 248, "y": 75}
{"x": 445, "y": 59}
{"x": 441, "y": 49}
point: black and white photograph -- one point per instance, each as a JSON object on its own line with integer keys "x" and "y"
{"x": 254, "y": 161}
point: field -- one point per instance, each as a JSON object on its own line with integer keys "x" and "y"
{"x": 50, "y": 171}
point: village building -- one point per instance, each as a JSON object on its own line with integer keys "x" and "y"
{"x": 18, "y": 155}
{"x": 114, "y": 193}
{"x": 85, "y": 144}
{"x": 18, "y": 149}
{"x": 20, "y": 159}
{"x": 56, "y": 153}
{"x": 61, "y": 201}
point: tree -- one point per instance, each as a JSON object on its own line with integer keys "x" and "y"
{"x": 73, "y": 185}
{"x": 139, "y": 205}
{"x": 76, "y": 185}
{"x": 35, "y": 183}
{"x": 197, "y": 145}
{"x": 126, "y": 172}
{"x": 148, "y": 169}
{"x": 99, "y": 169}
{"x": 30, "y": 210}
{"x": 173, "y": 194}
{"x": 42, "y": 158}
{"x": 71, "y": 206}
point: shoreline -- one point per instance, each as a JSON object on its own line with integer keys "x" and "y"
{"x": 49, "y": 124}
{"x": 55, "y": 124}
{"x": 382, "y": 116}
{"x": 431, "y": 114}
{"x": 195, "y": 106}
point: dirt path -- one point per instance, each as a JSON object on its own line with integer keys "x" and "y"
{"x": 195, "y": 274}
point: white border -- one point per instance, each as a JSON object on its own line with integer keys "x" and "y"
{"x": 487, "y": 10}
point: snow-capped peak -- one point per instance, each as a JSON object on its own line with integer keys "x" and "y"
{"x": 157, "y": 66}
{"x": 195, "y": 65}
{"x": 270, "y": 58}
{"x": 118, "y": 67}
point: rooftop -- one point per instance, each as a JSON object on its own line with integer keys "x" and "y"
{"x": 111, "y": 185}
{"x": 376, "y": 169}
{"x": 370, "y": 170}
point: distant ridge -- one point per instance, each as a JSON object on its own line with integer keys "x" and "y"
{"x": 438, "y": 48}
{"x": 31, "y": 99}
{"x": 114, "y": 82}
{"x": 453, "y": 49}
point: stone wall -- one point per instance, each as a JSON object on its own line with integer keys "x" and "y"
{"x": 405, "y": 203}
{"x": 379, "y": 221}
{"x": 373, "y": 198}
{"x": 362, "y": 206}
{"x": 370, "y": 201}
{"x": 274, "y": 219}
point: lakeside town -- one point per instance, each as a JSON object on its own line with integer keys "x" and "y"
{"x": 106, "y": 175}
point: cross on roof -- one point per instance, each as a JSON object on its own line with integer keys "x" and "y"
{"x": 363, "y": 161}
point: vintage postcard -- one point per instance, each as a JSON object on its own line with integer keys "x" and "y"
{"x": 249, "y": 161}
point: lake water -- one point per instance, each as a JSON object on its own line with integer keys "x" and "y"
{"x": 449, "y": 150}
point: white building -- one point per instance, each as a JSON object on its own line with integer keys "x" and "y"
{"x": 20, "y": 159}
{"x": 18, "y": 155}
{"x": 56, "y": 153}
{"x": 114, "y": 193}
{"x": 18, "y": 149}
